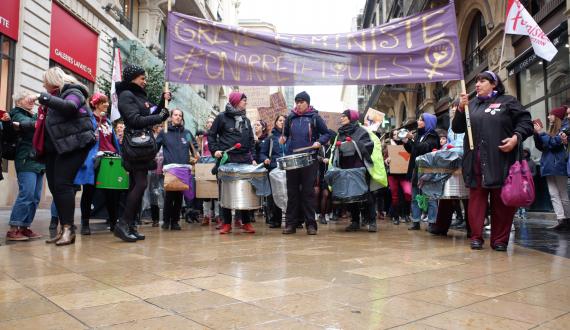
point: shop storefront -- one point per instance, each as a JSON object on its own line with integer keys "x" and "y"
{"x": 73, "y": 46}
{"x": 9, "y": 29}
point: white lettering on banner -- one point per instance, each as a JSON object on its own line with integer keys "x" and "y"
{"x": 5, "y": 22}
{"x": 72, "y": 61}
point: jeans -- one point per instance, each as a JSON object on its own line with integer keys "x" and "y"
{"x": 417, "y": 212}
{"x": 29, "y": 193}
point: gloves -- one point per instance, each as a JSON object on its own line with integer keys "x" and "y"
{"x": 164, "y": 114}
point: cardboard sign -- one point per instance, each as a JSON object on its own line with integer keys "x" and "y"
{"x": 257, "y": 96}
{"x": 252, "y": 115}
{"x": 374, "y": 116}
{"x": 206, "y": 183}
{"x": 278, "y": 107}
{"x": 399, "y": 159}
{"x": 203, "y": 172}
{"x": 332, "y": 119}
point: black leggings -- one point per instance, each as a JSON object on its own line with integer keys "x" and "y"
{"x": 111, "y": 202}
{"x": 60, "y": 173}
{"x": 172, "y": 206}
{"x": 137, "y": 186}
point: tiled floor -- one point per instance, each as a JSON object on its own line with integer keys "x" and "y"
{"x": 198, "y": 279}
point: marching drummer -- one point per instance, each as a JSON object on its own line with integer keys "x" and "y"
{"x": 232, "y": 127}
{"x": 303, "y": 128}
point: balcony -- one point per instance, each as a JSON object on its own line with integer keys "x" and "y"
{"x": 475, "y": 63}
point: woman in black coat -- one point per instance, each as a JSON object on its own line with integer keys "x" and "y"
{"x": 68, "y": 134}
{"x": 350, "y": 157}
{"x": 498, "y": 123}
{"x": 138, "y": 115}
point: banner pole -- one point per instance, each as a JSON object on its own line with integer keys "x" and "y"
{"x": 502, "y": 51}
{"x": 166, "y": 87}
{"x": 467, "y": 117}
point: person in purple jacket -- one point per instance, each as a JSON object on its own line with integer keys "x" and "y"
{"x": 303, "y": 128}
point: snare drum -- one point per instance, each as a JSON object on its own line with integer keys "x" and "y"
{"x": 296, "y": 161}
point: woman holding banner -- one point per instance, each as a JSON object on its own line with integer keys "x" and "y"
{"x": 499, "y": 123}
{"x": 139, "y": 116}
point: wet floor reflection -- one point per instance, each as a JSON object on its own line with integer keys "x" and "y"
{"x": 534, "y": 234}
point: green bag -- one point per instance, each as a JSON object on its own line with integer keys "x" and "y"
{"x": 423, "y": 201}
{"x": 112, "y": 174}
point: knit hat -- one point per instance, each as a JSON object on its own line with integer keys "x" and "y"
{"x": 351, "y": 114}
{"x": 236, "y": 97}
{"x": 303, "y": 96}
{"x": 131, "y": 71}
{"x": 559, "y": 112}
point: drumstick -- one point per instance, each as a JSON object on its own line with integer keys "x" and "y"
{"x": 236, "y": 146}
{"x": 304, "y": 148}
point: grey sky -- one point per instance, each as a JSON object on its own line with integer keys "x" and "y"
{"x": 307, "y": 17}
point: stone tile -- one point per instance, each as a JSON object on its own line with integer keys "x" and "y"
{"x": 352, "y": 318}
{"x": 9, "y": 295}
{"x": 403, "y": 308}
{"x": 191, "y": 301}
{"x": 111, "y": 314}
{"x": 91, "y": 298}
{"x": 298, "y": 284}
{"x": 174, "y": 322}
{"x": 441, "y": 296}
{"x": 560, "y": 323}
{"x": 250, "y": 292}
{"x": 9, "y": 284}
{"x": 52, "y": 321}
{"x": 287, "y": 324}
{"x": 516, "y": 311}
{"x": 493, "y": 285}
{"x": 543, "y": 295}
{"x": 186, "y": 273}
{"x": 52, "y": 279}
{"x": 158, "y": 288}
{"x": 297, "y": 305}
{"x": 344, "y": 295}
{"x": 416, "y": 326}
{"x": 64, "y": 288}
{"x": 214, "y": 282}
{"x": 232, "y": 316}
{"x": 463, "y": 319}
{"x": 26, "y": 308}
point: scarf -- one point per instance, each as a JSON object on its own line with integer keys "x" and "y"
{"x": 38, "y": 140}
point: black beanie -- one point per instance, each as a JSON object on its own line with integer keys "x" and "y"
{"x": 131, "y": 71}
{"x": 303, "y": 96}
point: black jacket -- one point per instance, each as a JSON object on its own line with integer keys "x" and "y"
{"x": 224, "y": 134}
{"x": 176, "y": 145}
{"x": 68, "y": 121}
{"x": 363, "y": 141}
{"x": 135, "y": 108}
{"x": 492, "y": 121}
{"x": 417, "y": 147}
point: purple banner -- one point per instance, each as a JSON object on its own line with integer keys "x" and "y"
{"x": 415, "y": 49}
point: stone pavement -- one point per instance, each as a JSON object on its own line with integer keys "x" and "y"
{"x": 198, "y": 279}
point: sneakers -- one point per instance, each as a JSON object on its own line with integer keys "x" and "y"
{"x": 205, "y": 220}
{"x": 248, "y": 228}
{"x": 16, "y": 235}
{"x": 226, "y": 229}
{"x": 354, "y": 226}
{"x": 30, "y": 233}
{"x": 238, "y": 223}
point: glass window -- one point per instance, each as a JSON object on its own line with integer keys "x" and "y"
{"x": 89, "y": 84}
{"x": 531, "y": 82}
{"x": 6, "y": 72}
{"x": 477, "y": 32}
{"x": 558, "y": 71}
{"x": 537, "y": 111}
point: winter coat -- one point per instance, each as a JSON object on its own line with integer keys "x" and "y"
{"x": 348, "y": 155}
{"x": 426, "y": 140}
{"x": 176, "y": 145}
{"x": 87, "y": 171}
{"x": 277, "y": 150}
{"x": 302, "y": 130}
{"x": 24, "y": 160}
{"x": 135, "y": 109}
{"x": 68, "y": 123}
{"x": 531, "y": 163}
{"x": 258, "y": 145}
{"x": 224, "y": 134}
{"x": 492, "y": 120}
{"x": 553, "y": 159}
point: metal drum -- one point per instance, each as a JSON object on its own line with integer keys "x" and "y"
{"x": 454, "y": 187}
{"x": 236, "y": 190}
{"x": 296, "y": 161}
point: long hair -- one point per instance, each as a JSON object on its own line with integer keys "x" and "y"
{"x": 181, "y": 113}
{"x": 55, "y": 76}
{"x": 554, "y": 129}
{"x": 277, "y": 119}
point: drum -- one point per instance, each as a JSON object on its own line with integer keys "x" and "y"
{"x": 236, "y": 188}
{"x": 112, "y": 174}
{"x": 454, "y": 187}
{"x": 296, "y": 161}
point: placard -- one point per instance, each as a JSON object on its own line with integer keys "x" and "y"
{"x": 252, "y": 115}
{"x": 332, "y": 119}
{"x": 257, "y": 96}
{"x": 399, "y": 159}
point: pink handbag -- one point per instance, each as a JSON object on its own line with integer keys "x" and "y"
{"x": 518, "y": 188}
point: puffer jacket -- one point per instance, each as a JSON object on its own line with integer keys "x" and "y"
{"x": 492, "y": 121}
{"x": 68, "y": 121}
{"x": 277, "y": 150}
{"x": 553, "y": 159}
{"x": 304, "y": 129}
{"x": 135, "y": 109}
{"x": 226, "y": 131}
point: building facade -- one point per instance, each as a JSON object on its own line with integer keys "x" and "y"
{"x": 80, "y": 36}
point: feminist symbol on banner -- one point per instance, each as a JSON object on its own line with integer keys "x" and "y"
{"x": 436, "y": 54}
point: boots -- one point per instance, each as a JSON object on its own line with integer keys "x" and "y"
{"x": 226, "y": 229}
{"x": 122, "y": 231}
{"x": 322, "y": 219}
{"x": 133, "y": 231}
{"x": 85, "y": 230}
{"x": 372, "y": 227}
{"x": 354, "y": 226}
{"x": 289, "y": 229}
{"x": 155, "y": 215}
{"x": 165, "y": 223}
{"x": 67, "y": 236}
{"x": 56, "y": 237}
{"x": 414, "y": 226}
{"x": 112, "y": 224}
{"x": 174, "y": 225}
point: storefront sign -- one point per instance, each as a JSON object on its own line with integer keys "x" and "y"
{"x": 415, "y": 49}
{"x": 9, "y": 18}
{"x": 73, "y": 44}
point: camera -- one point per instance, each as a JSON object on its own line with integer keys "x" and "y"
{"x": 565, "y": 130}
